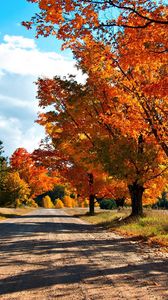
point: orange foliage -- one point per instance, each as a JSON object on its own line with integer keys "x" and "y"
{"x": 115, "y": 125}
{"x": 59, "y": 203}
{"x": 37, "y": 178}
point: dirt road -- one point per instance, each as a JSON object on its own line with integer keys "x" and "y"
{"x": 50, "y": 255}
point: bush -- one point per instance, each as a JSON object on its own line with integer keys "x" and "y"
{"x": 108, "y": 204}
{"x": 47, "y": 203}
{"x": 59, "y": 203}
{"x": 86, "y": 202}
{"x": 162, "y": 201}
{"x": 31, "y": 203}
{"x": 72, "y": 196}
{"x": 57, "y": 193}
{"x": 18, "y": 203}
{"x": 26, "y": 202}
{"x": 68, "y": 201}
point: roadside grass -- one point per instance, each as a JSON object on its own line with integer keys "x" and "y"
{"x": 7, "y": 213}
{"x": 152, "y": 227}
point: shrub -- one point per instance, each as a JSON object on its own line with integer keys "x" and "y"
{"x": 86, "y": 202}
{"x": 18, "y": 203}
{"x": 31, "y": 203}
{"x": 108, "y": 204}
{"x": 97, "y": 204}
{"x": 26, "y": 202}
{"x": 74, "y": 203}
{"x": 162, "y": 201}
{"x": 72, "y": 196}
{"x": 68, "y": 201}
{"x": 59, "y": 203}
{"x": 47, "y": 203}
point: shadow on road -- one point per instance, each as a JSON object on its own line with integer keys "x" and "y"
{"x": 43, "y": 216}
{"x": 48, "y": 276}
{"x": 15, "y": 246}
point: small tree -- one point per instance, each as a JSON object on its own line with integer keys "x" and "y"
{"x": 68, "y": 201}
{"x": 47, "y": 203}
{"x": 15, "y": 189}
{"x": 59, "y": 203}
{"x": 3, "y": 167}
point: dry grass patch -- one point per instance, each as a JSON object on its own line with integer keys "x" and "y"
{"x": 6, "y": 213}
{"x": 153, "y": 226}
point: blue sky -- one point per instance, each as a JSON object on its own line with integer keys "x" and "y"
{"x": 13, "y": 12}
{"x": 22, "y": 60}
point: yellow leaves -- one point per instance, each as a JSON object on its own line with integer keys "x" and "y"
{"x": 59, "y": 203}
{"x": 16, "y": 187}
{"x": 52, "y": 130}
{"x": 47, "y": 203}
{"x": 82, "y": 136}
{"x": 48, "y": 128}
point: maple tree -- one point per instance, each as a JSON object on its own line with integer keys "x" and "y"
{"x": 77, "y": 126}
{"x": 132, "y": 52}
{"x": 134, "y": 90}
{"x": 125, "y": 97}
{"x": 71, "y": 16}
{"x": 37, "y": 177}
{"x": 70, "y": 127}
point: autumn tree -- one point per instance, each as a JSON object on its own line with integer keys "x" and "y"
{"x": 78, "y": 127}
{"x": 37, "y": 178}
{"x": 59, "y": 203}
{"x": 132, "y": 48}
{"x": 16, "y": 190}
{"x": 70, "y": 128}
{"x": 3, "y": 162}
{"x": 126, "y": 68}
{"x": 47, "y": 203}
{"x": 73, "y": 19}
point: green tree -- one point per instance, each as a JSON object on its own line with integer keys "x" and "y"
{"x": 3, "y": 172}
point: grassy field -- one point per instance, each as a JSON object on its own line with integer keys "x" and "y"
{"x": 152, "y": 227}
{"x": 6, "y": 213}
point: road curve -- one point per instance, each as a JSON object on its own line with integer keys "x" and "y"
{"x": 48, "y": 254}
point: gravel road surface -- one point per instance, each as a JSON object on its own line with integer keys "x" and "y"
{"x": 48, "y": 254}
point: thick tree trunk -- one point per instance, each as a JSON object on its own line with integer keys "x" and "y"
{"x": 136, "y": 192}
{"x": 91, "y": 204}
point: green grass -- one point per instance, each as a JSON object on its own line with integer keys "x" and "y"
{"x": 153, "y": 226}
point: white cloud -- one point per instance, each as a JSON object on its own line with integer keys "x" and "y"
{"x": 19, "y": 42}
{"x": 16, "y": 102}
{"x": 21, "y": 62}
{"x": 13, "y": 136}
{"x": 20, "y": 55}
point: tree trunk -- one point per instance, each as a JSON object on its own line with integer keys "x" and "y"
{"x": 136, "y": 192}
{"x": 91, "y": 194}
{"x": 91, "y": 204}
